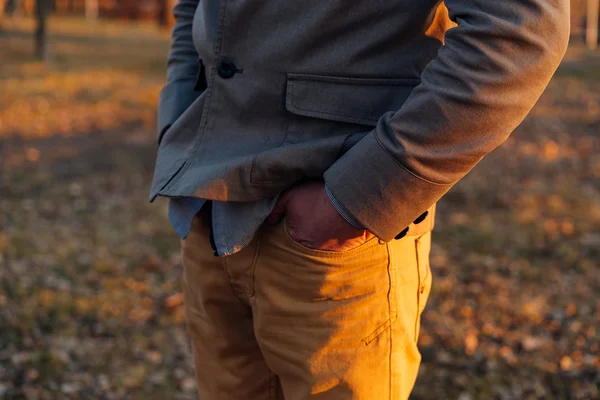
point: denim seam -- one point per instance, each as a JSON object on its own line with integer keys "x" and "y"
{"x": 254, "y": 262}
{"x": 391, "y": 304}
{"x": 239, "y": 294}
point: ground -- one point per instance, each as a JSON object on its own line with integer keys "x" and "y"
{"x": 90, "y": 302}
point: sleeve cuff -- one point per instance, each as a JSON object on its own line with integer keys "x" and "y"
{"x": 342, "y": 211}
{"x": 377, "y": 190}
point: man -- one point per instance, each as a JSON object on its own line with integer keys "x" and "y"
{"x": 303, "y": 146}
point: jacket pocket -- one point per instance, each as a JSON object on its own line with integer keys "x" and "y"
{"x": 326, "y": 115}
{"x": 351, "y": 100}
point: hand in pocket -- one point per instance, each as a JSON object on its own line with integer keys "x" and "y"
{"x": 313, "y": 221}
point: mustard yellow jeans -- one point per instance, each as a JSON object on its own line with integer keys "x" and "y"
{"x": 279, "y": 320}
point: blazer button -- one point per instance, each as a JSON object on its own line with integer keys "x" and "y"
{"x": 421, "y": 218}
{"x": 227, "y": 69}
{"x": 401, "y": 234}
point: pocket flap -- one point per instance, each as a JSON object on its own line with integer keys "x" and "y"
{"x": 354, "y": 100}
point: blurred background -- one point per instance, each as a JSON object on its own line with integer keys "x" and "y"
{"x": 90, "y": 302}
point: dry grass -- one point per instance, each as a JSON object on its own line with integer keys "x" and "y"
{"x": 89, "y": 293}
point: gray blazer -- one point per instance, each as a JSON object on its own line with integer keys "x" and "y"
{"x": 391, "y": 102}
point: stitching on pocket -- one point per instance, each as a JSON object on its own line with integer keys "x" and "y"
{"x": 293, "y": 98}
{"x": 321, "y": 112}
{"x": 355, "y": 80}
{"x": 381, "y": 329}
{"x": 421, "y": 281}
{"x": 324, "y": 253}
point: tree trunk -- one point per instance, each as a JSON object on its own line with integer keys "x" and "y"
{"x": 41, "y": 37}
{"x": 163, "y": 12}
{"x": 28, "y": 6}
{"x": 592, "y": 23}
{"x": 91, "y": 10}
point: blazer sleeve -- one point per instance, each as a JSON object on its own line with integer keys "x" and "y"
{"x": 182, "y": 68}
{"x": 491, "y": 70}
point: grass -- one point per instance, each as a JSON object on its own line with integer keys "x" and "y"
{"x": 90, "y": 303}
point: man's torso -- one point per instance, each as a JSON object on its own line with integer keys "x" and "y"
{"x": 291, "y": 86}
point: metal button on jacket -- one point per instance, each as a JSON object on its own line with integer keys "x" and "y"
{"x": 227, "y": 69}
